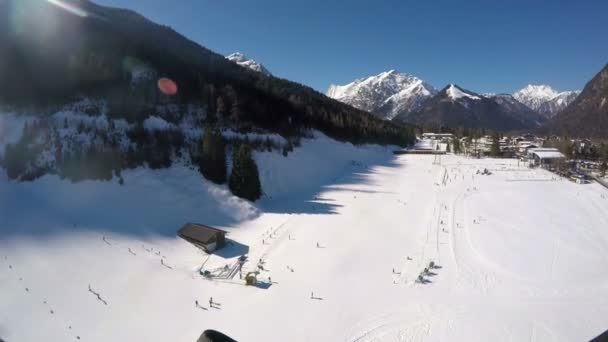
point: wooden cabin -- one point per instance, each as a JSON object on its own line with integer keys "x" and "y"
{"x": 208, "y": 238}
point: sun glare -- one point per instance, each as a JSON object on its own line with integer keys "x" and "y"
{"x": 70, "y": 8}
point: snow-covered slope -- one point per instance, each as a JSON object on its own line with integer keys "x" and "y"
{"x": 386, "y": 95}
{"x": 544, "y": 99}
{"x": 340, "y": 260}
{"x": 243, "y": 61}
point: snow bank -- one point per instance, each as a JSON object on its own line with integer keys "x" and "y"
{"x": 316, "y": 162}
{"x": 155, "y": 123}
{"x": 273, "y": 137}
{"x": 11, "y": 128}
{"x": 149, "y": 202}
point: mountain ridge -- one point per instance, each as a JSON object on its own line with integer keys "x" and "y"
{"x": 385, "y": 95}
{"x": 587, "y": 115}
{"x": 455, "y": 106}
{"x": 94, "y": 49}
{"x": 244, "y": 61}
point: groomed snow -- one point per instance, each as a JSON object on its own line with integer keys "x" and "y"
{"x": 521, "y": 254}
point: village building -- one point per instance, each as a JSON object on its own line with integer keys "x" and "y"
{"x": 545, "y": 157}
{"x": 205, "y": 237}
{"x": 443, "y": 137}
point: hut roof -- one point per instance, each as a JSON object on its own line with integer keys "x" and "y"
{"x": 199, "y": 232}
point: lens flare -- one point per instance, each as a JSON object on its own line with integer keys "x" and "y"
{"x": 72, "y": 9}
{"x": 167, "y": 86}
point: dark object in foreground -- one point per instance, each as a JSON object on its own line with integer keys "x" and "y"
{"x": 214, "y": 336}
{"x": 601, "y": 338}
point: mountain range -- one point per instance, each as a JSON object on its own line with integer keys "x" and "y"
{"x": 402, "y": 97}
{"x": 454, "y": 106}
{"x": 544, "y": 99}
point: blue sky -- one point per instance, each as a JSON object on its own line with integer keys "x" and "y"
{"x": 482, "y": 45}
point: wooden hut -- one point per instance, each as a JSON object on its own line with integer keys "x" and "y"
{"x": 208, "y": 238}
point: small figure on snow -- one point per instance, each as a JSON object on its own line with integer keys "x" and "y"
{"x": 196, "y": 303}
{"x": 211, "y": 301}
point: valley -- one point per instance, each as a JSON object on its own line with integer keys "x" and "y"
{"x": 518, "y": 256}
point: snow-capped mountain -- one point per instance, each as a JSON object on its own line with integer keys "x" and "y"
{"x": 558, "y": 103}
{"x": 454, "y": 106}
{"x": 544, "y": 99}
{"x": 385, "y": 95}
{"x": 243, "y": 61}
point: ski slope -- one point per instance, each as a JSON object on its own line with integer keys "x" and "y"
{"x": 521, "y": 254}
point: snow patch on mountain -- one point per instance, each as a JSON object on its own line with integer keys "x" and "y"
{"x": 249, "y": 63}
{"x": 386, "y": 95}
{"x": 455, "y": 93}
{"x": 544, "y": 99}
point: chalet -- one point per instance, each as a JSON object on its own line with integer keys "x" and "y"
{"x": 208, "y": 238}
{"x": 524, "y": 148}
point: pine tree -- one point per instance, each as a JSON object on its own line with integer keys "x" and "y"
{"x": 495, "y": 148}
{"x": 456, "y": 145}
{"x": 212, "y": 162}
{"x": 244, "y": 180}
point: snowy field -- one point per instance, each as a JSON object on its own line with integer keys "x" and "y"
{"x": 520, "y": 254}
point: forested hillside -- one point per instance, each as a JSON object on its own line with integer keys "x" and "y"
{"x": 95, "y": 50}
{"x": 100, "y": 89}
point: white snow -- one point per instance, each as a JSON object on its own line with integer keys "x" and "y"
{"x": 273, "y": 137}
{"x": 456, "y": 93}
{"x": 155, "y": 123}
{"x": 243, "y": 61}
{"x": 11, "y": 128}
{"x": 522, "y": 253}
